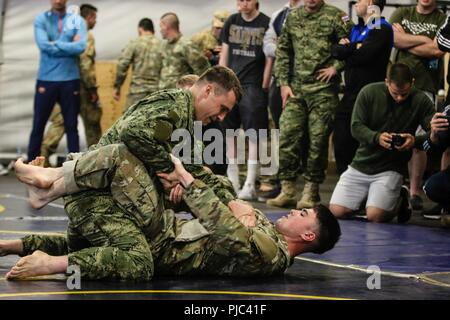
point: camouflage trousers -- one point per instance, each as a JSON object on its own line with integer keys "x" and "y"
{"x": 115, "y": 230}
{"x": 308, "y": 114}
{"x": 90, "y": 114}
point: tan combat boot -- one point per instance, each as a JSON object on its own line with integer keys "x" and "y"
{"x": 310, "y": 197}
{"x": 287, "y": 196}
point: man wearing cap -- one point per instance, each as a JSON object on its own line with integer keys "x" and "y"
{"x": 209, "y": 40}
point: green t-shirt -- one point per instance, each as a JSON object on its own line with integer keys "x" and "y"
{"x": 376, "y": 112}
{"x": 427, "y": 72}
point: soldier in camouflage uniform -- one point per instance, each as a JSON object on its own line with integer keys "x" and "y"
{"x": 89, "y": 109}
{"x": 180, "y": 56}
{"x": 310, "y": 32}
{"x": 144, "y": 55}
{"x": 209, "y": 40}
{"x": 133, "y": 236}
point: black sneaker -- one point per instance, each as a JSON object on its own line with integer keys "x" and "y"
{"x": 432, "y": 214}
{"x": 404, "y": 211}
{"x": 264, "y": 196}
{"x": 416, "y": 202}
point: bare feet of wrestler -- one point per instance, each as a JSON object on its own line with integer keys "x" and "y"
{"x": 36, "y": 175}
{"x": 38, "y": 264}
{"x": 10, "y": 247}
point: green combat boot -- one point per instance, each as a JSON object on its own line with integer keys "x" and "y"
{"x": 286, "y": 198}
{"x": 310, "y": 197}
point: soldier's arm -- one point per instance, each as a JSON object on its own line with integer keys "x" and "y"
{"x": 221, "y": 187}
{"x": 125, "y": 59}
{"x": 342, "y": 28}
{"x": 360, "y": 130}
{"x": 405, "y": 40}
{"x": 425, "y": 121}
{"x": 196, "y": 59}
{"x": 213, "y": 214}
{"x": 87, "y": 65}
{"x": 375, "y": 43}
{"x": 223, "y": 60}
{"x": 283, "y": 53}
{"x": 147, "y": 135}
{"x": 443, "y": 37}
{"x": 428, "y": 50}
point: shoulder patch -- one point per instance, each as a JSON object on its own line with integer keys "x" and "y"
{"x": 163, "y": 130}
{"x": 173, "y": 115}
{"x": 265, "y": 245}
{"x": 345, "y": 18}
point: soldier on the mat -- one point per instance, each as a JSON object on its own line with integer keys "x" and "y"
{"x": 135, "y": 237}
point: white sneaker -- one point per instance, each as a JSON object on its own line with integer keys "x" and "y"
{"x": 3, "y": 170}
{"x": 248, "y": 192}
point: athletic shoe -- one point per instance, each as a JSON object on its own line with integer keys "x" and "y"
{"x": 404, "y": 211}
{"x": 433, "y": 214}
{"x": 416, "y": 202}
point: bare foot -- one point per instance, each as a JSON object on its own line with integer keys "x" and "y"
{"x": 38, "y": 162}
{"x": 38, "y": 264}
{"x": 10, "y": 247}
{"x": 37, "y": 176}
{"x": 38, "y": 198}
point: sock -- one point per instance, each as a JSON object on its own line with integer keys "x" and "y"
{"x": 233, "y": 172}
{"x": 252, "y": 171}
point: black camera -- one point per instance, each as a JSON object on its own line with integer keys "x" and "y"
{"x": 397, "y": 140}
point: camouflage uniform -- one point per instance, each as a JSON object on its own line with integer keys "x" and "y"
{"x": 54, "y": 134}
{"x": 310, "y": 36}
{"x": 180, "y": 57}
{"x": 144, "y": 54}
{"x": 135, "y": 236}
{"x": 90, "y": 112}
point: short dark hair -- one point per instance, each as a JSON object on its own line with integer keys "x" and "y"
{"x": 329, "y": 230}
{"x": 87, "y": 9}
{"x": 380, "y": 4}
{"x": 225, "y": 78}
{"x": 400, "y": 74}
{"x": 173, "y": 20}
{"x": 147, "y": 25}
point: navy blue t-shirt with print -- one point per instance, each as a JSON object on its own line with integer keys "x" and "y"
{"x": 245, "y": 40}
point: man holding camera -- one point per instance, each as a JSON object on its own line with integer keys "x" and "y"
{"x": 384, "y": 121}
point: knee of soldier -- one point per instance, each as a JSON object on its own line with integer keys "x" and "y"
{"x": 141, "y": 267}
{"x": 340, "y": 212}
{"x": 378, "y": 215}
{"x": 432, "y": 188}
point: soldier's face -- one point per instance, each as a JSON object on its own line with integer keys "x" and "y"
{"x": 399, "y": 93}
{"x": 299, "y": 224}
{"x": 361, "y": 8}
{"x": 163, "y": 29}
{"x": 213, "y": 107}
{"x": 58, "y": 5}
{"x": 246, "y": 6}
{"x": 91, "y": 20}
{"x": 427, "y": 3}
{"x": 313, "y": 4}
